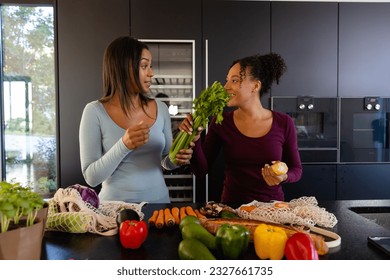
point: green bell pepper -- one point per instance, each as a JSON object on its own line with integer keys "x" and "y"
{"x": 232, "y": 240}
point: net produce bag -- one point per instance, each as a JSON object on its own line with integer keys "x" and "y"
{"x": 300, "y": 211}
{"x": 69, "y": 212}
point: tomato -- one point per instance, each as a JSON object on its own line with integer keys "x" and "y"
{"x": 132, "y": 233}
{"x": 300, "y": 247}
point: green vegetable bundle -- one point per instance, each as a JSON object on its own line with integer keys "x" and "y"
{"x": 210, "y": 102}
{"x": 16, "y": 202}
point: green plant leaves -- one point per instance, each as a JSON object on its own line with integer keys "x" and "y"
{"x": 17, "y": 201}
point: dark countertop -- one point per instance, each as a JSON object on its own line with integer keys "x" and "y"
{"x": 162, "y": 244}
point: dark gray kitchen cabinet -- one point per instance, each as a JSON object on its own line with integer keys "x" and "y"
{"x": 170, "y": 20}
{"x": 84, "y": 30}
{"x": 223, "y": 30}
{"x": 317, "y": 180}
{"x": 232, "y": 30}
{"x": 364, "y": 44}
{"x": 363, "y": 181}
{"x": 305, "y": 35}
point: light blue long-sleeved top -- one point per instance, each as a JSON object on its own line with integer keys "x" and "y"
{"x": 126, "y": 175}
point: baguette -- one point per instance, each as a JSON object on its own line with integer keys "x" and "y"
{"x": 212, "y": 226}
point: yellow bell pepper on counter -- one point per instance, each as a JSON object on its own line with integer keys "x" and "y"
{"x": 269, "y": 242}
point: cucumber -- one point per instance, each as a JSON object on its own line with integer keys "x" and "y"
{"x": 198, "y": 232}
{"x": 193, "y": 249}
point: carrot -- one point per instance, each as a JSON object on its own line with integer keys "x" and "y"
{"x": 176, "y": 214}
{"x": 247, "y": 208}
{"x": 153, "y": 218}
{"x": 281, "y": 204}
{"x": 168, "y": 218}
{"x": 199, "y": 215}
{"x": 160, "y": 219}
{"x": 190, "y": 211}
{"x": 182, "y": 212}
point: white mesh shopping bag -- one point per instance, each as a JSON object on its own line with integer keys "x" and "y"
{"x": 68, "y": 212}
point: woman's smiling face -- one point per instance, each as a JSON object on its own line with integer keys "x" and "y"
{"x": 240, "y": 87}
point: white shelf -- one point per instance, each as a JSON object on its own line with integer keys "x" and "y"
{"x": 180, "y": 188}
{"x": 175, "y": 86}
{"x": 177, "y": 176}
{"x": 175, "y": 99}
{"x": 163, "y": 87}
{"x": 187, "y": 199}
{"x": 173, "y": 78}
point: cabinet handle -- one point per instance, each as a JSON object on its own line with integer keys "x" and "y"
{"x": 206, "y": 71}
{"x": 206, "y": 63}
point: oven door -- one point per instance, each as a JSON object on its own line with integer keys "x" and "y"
{"x": 364, "y": 135}
{"x": 316, "y": 126}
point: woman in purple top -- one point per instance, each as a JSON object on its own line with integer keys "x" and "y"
{"x": 251, "y": 137}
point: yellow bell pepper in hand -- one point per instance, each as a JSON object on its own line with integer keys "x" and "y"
{"x": 269, "y": 242}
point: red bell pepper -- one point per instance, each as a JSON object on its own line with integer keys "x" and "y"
{"x": 132, "y": 233}
{"x": 300, "y": 247}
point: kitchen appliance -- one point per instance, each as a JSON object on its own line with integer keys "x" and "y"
{"x": 174, "y": 83}
{"x": 380, "y": 242}
{"x": 316, "y": 125}
{"x": 364, "y": 130}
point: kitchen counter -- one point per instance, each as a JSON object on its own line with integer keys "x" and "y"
{"x": 162, "y": 244}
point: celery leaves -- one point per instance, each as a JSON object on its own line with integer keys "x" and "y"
{"x": 210, "y": 102}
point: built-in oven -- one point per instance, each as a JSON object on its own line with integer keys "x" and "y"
{"x": 316, "y": 125}
{"x": 364, "y": 130}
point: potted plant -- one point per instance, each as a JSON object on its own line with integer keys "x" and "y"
{"x": 22, "y": 222}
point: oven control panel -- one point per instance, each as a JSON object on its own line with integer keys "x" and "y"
{"x": 372, "y": 103}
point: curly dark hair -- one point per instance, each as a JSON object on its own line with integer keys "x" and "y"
{"x": 267, "y": 68}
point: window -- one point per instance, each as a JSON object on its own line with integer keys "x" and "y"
{"x": 28, "y": 97}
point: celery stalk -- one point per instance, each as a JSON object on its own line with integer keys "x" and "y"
{"x": 210, "y": 102}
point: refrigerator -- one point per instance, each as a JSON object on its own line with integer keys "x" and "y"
{"x": 173, "y": 63}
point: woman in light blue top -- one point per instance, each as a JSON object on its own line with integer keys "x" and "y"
{"x": 125, "y": 136}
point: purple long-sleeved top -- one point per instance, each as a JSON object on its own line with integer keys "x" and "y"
{"x": 245, "y": 156}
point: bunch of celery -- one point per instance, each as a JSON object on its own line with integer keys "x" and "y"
{"x": 210, "y": 102}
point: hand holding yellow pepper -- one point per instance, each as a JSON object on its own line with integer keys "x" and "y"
{"x": 269, "y": 242}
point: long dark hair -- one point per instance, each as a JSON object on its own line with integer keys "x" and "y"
{"x": 267, "y": 68}
{"x": 121, "y": 72}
